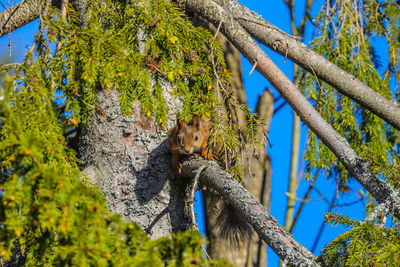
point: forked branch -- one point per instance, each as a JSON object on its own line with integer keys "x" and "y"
{"x": 355, "y": 164}
{"x": 281, "y": 241}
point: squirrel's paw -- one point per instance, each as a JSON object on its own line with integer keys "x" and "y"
{"x": 207, "y": 155}
{"x": 178, "y": 167}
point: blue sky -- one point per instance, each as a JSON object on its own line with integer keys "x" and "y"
{"x": 280, "y": 134}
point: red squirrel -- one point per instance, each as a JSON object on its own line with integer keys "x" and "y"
{"x": 192, "y": 138}
{"x": 189, "y": 138}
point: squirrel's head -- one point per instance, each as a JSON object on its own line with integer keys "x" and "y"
{"x": 190, "y": 137}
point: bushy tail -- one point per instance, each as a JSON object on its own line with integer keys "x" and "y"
{"x": 232, "y": 226}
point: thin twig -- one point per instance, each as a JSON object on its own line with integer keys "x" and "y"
{"x": 64, "y": 4}
{"x": 205, "y": 252}
{"x": 39, "y": 34}
{"x": 193, "y": 191}
{"x": 254, "y": 66}
{"x": 280, "y": 107}
{"x": 11, "y": 14}
{"x": 4, "y": 67}
{"x": 108, "y": 93}
{"x": 305, "y": 199}
{"x": 218, "y": 28}
{"x": 321, "y": 228}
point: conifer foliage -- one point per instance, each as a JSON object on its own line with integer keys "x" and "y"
{"x": 364, "y": 244}
{"x": 346, "y": 34}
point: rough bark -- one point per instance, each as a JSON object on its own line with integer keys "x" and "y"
{"x": 290, "y": 47}
{"x": 356, "y": 165}
{"x": 282, "y": 242}
{"x": 21, "y": 14}
{"x": 30, "y": 10}
{"x": 80, "y": 6}
{"x": 129, "y": 159}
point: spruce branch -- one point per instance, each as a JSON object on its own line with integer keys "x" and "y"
{"x": 358, "y": 167}
{"x": 298, "y": 52}
{"x": 266, "y": 33}
{"x": 281, "y": 241}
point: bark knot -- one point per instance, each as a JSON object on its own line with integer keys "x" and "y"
{"x": 128, "y": 137}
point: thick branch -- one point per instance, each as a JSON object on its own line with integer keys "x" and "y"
{"x": 356, "y": 165}
{"x": 290, "y": 47}
{"x": 282, "y": 242}
{"x": 29, "y": 10}
{"x": 19, "y": 15}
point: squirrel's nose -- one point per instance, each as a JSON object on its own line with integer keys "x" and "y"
{"x": 188, "y": 150}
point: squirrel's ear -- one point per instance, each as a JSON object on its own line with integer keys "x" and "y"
{"x": 181, "y": 124}
{"x": 196, "y": 121}
{"x": 207, "y": 123}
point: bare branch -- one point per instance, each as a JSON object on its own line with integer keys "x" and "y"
{"x": 294, "y": 162}
{"x": 323, "y": 224}
{"x": 294, "y": 158}
{"x": 21, "y": 14}
{"x": 281, "y": 241}
{"x": 290, "y": 6}
{"x": 355, "y": 164}
{"x": 306, "y": 16}
{"x": 303, "y": 202}
{"x": 282, "y": 43}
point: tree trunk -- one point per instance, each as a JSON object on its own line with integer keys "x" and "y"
{"x": 128, "y": 158}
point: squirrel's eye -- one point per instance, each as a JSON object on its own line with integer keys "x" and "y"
{"x": 196, "y": 138}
